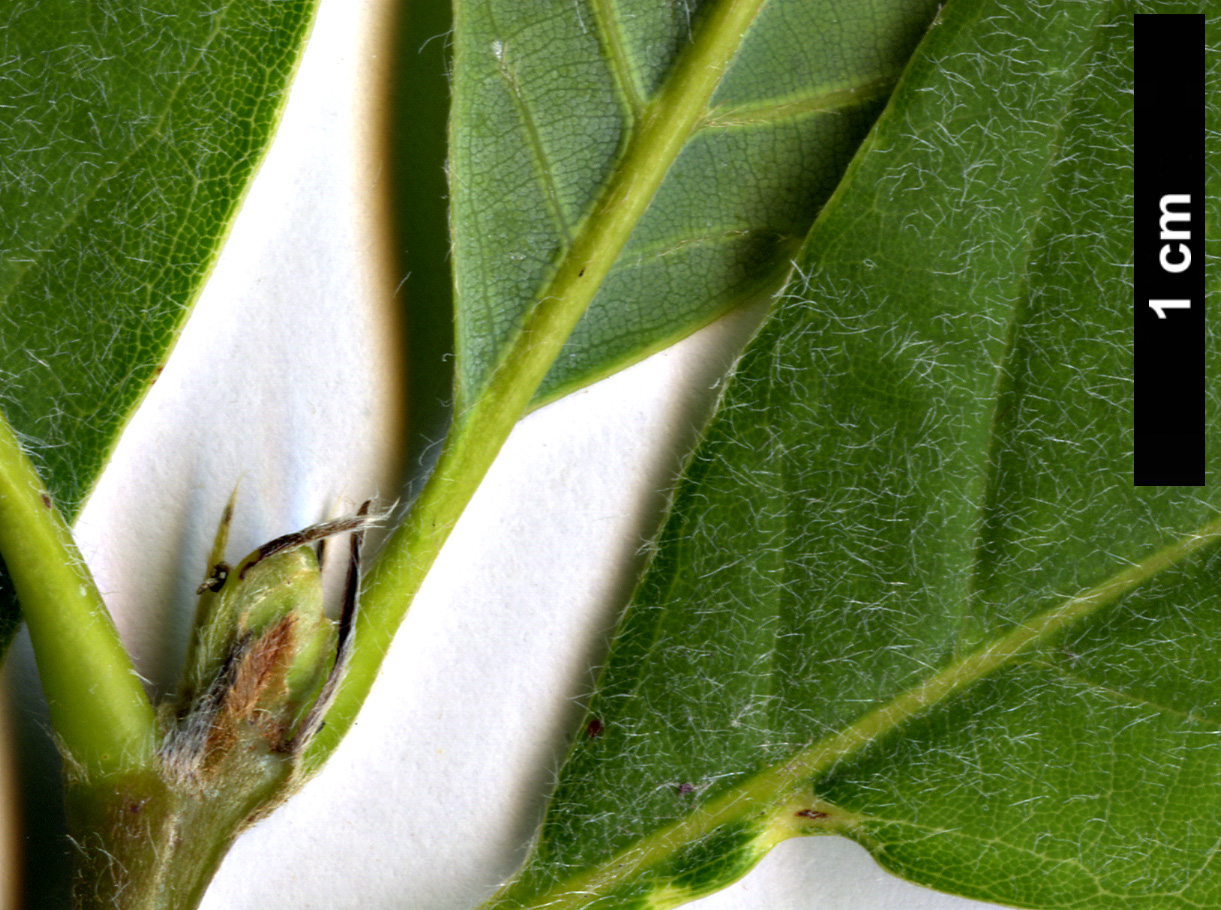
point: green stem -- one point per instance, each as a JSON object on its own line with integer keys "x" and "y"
{"x": 99, "y": 711}
{"x": 482, "y": 427}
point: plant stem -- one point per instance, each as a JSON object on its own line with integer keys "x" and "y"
{"x": 482, "y": 426}
{"x": 99, "y": 710}
{"x": 152, "y": 840}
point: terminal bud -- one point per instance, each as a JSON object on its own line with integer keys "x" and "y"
{"x": 262, "y": 654}
{"x": 262, "y": 665}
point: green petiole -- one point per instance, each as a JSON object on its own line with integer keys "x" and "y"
{"x": 99, "y": 710}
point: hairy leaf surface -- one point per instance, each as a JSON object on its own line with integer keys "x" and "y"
{"x": 128, "y": 135}
{"x": 549, "y": 98}
{"x": 908, "y": 592}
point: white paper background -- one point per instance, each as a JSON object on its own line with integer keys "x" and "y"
{"x": 286, "y": 380}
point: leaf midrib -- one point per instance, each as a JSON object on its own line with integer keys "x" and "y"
{"x": 484, "y": 417}
{"x": 670, "y": 120}
{"x": 764, "y": 790}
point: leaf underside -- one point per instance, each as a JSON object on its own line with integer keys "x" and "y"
{"x": 546, "y": 98}
{"x": 129, "y": 135}
{"x": 908, "y": 592}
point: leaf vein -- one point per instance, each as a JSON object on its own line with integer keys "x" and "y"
{"x": 826, "y": 101}
{"x": 1003, "y": 386}
{"x": 779, "y": 782}
{"x": 1118, "y": 695}
{"x": 620, "y": 66}
{"x": 535, "y": 143}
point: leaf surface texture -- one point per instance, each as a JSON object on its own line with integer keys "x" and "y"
{"x": 908, "y": 592}
{"x": 549, "y": 98}
{"x": 128, "y": 134}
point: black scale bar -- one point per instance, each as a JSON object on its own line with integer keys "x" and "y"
{"x": 1168, "y": 161}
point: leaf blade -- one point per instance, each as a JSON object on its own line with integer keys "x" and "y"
{"x": 134, "y": 133}
{"x": 135, "y": 139}
{"x": 843, "y": 535}
{"x": 485, "y": 417}
{"x": 546, "y": 102}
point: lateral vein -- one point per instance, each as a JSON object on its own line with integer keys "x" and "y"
{"x": 825, "y": 102}
{"x": 760, "y": 794}
{"x": 535, "y": 142}
{"x": 620, "y": 65}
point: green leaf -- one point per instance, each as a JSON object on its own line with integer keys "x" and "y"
{"x": 498, "y": 129}
{"x": 551, "y": 102}
{"x": 908, "y": 592}
{"x": 129, "y": 135}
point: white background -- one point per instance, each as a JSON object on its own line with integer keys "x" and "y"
{"x": 286, "y": 380}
